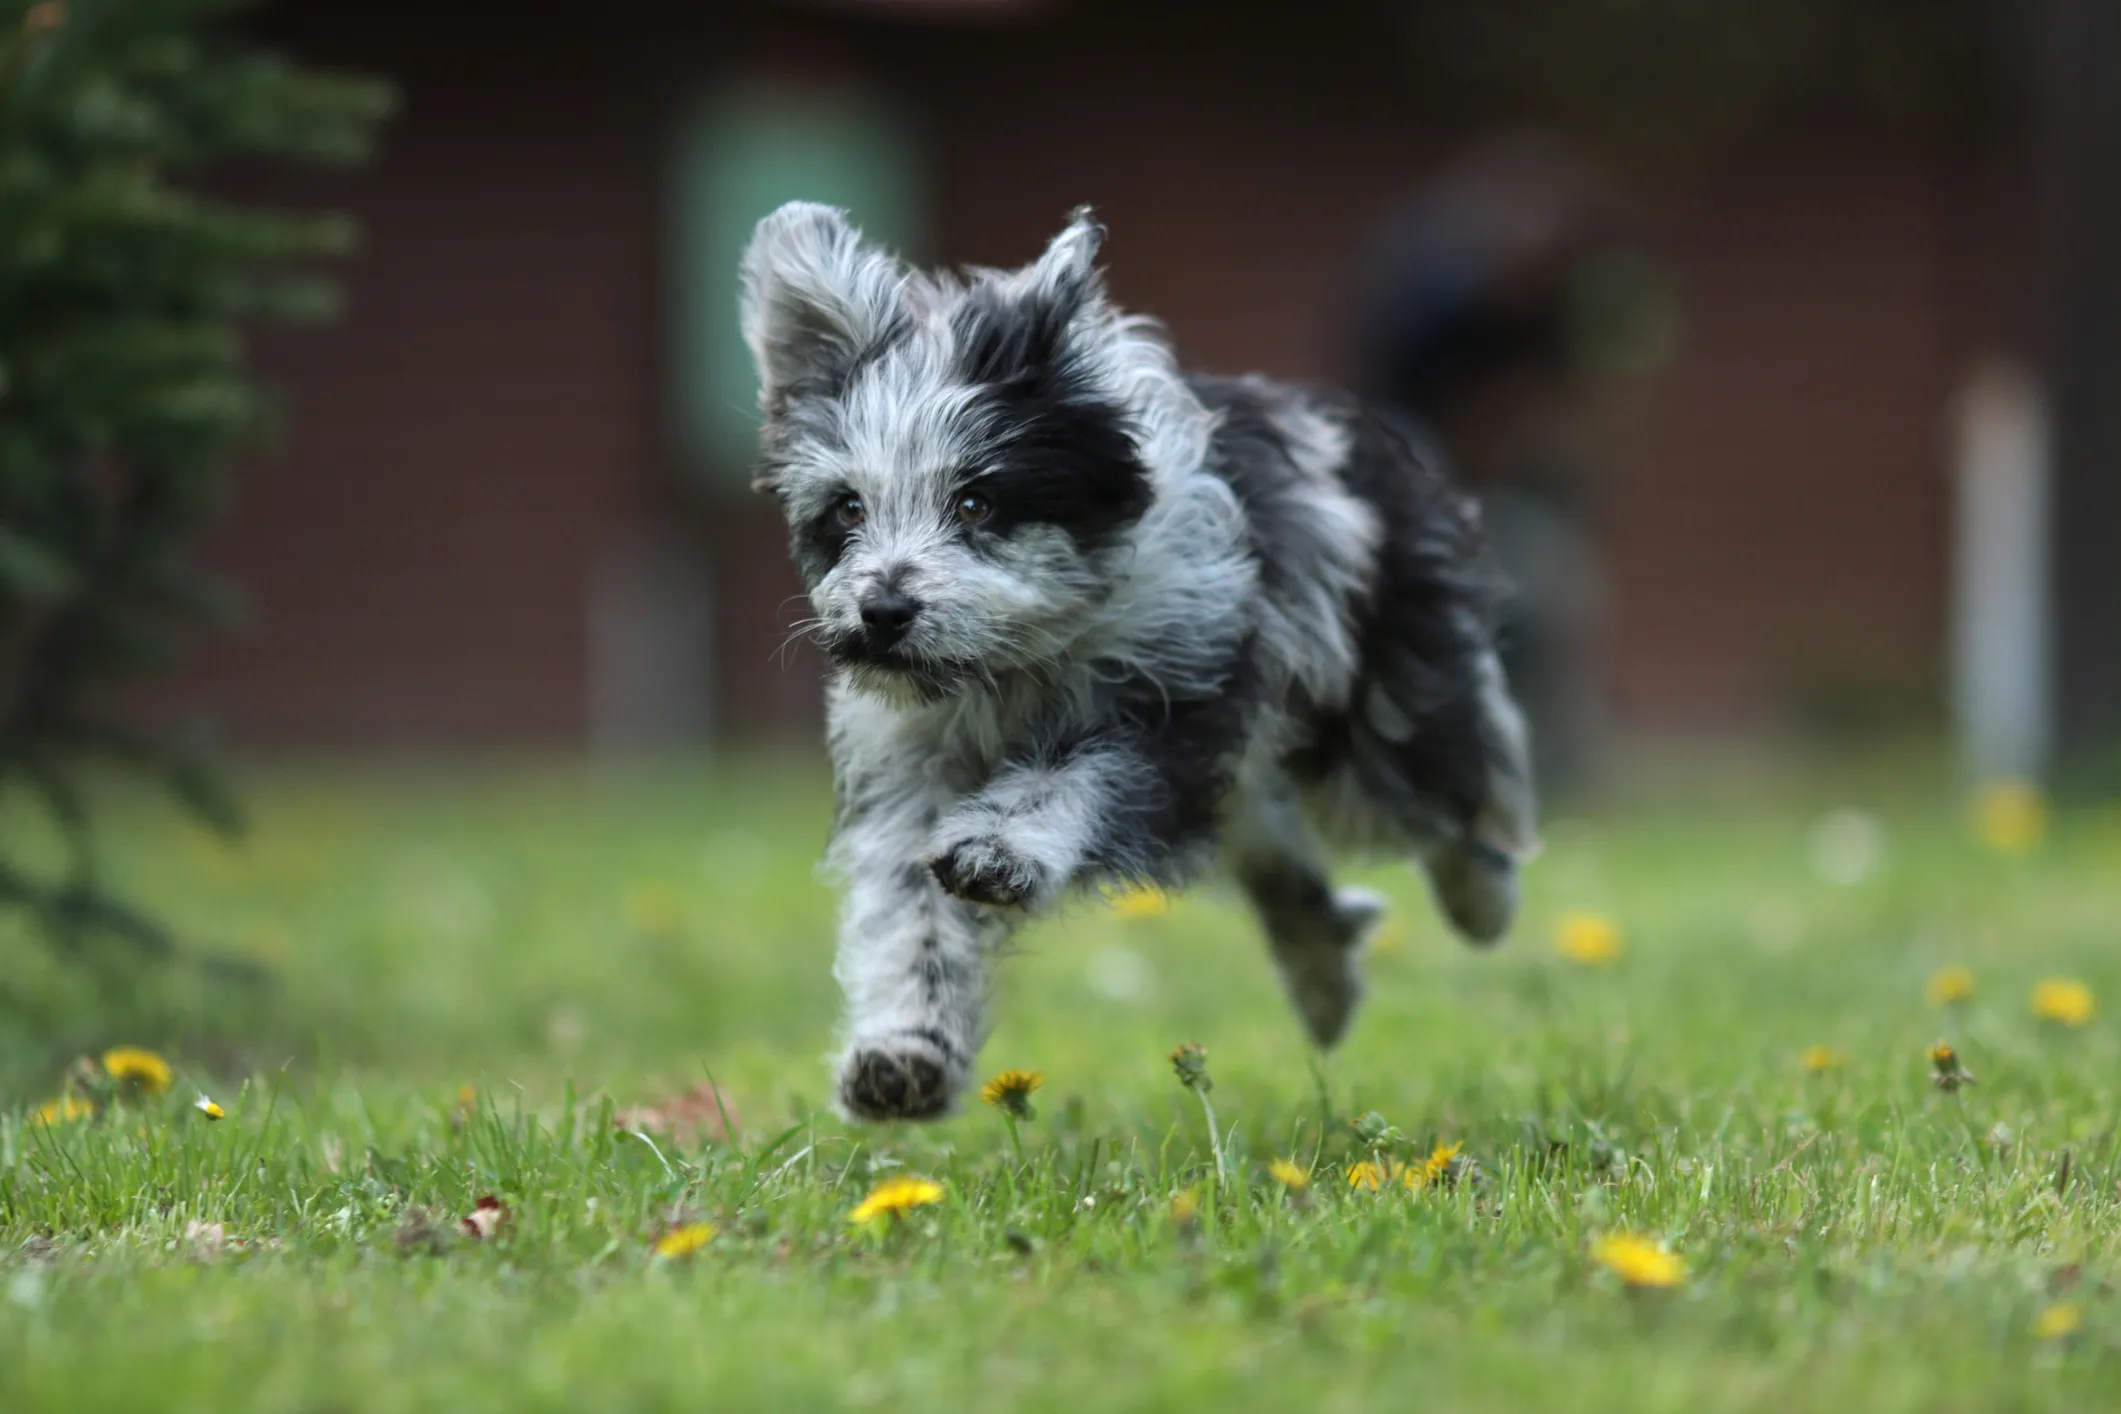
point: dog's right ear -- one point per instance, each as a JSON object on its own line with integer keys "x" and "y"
{"x": 815, "y": 297}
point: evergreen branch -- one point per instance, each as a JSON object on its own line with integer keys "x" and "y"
{"x": 124, "y": 390}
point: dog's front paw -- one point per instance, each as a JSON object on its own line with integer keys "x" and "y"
{"x": 1322, "y": 967}
{"x": 878, "y": 1084}
{"x": 984, "y": 869}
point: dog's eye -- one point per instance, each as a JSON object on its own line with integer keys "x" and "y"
{"x": 973, "y": 508}
{"x": 850, "y": 511}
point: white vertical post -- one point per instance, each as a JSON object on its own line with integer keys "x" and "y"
{"x": 2001, "y": 685}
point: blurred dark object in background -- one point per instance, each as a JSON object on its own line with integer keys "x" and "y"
{"x": 1498, "y": 307}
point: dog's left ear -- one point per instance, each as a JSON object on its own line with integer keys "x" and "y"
{"x": 1066, "y": 276}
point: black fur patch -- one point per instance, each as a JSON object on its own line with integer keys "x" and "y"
{"x": 819, "y": 542}
{"x": 1187, "y": 749}
{"x": 1055, "y": 452}
{"x": 1422, "y": 636}
{"x": 1251, "y": 454}
{"x": 1422, "y": 629}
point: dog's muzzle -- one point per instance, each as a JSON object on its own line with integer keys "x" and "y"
{"x": 887, "y": 616}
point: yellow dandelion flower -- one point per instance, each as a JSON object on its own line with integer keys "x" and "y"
{"x": 64, "y": 1110}
{"x": 1147, "y": 901}
{"x": 2060, "y": 1321}
{"x": 1950, "y": 986}
{"x": 1433, "y": 1167}
{"x": 1011, "y": 1091}
{"x": 208, "y": 1108}
{"x": 1373, "y": 1175}
{"x": 2064, "y": 1000}
{"x": 895, "y": 1197}
{"x": 1638, "y": 1261}
{"x": 1588, "y": 939}
{"x": 685, "y": 1240}
{"x": 1185, "y": 1207}
{"x": 137, "y": 1069}
{"x": 1290, "y": 1174}
{"x": 1821, "y": 1059}
{"x": 2010, "y": 816}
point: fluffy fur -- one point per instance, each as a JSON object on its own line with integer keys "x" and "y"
{"x": 1095, "y": 621}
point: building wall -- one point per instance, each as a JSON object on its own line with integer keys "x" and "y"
{"x": 472, "y": 435}
{"x": 486, "y": 425}
{"x": 1779, "y": 544}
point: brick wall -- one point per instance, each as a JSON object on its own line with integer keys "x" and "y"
{"x": 487, "y": 420}
{"x": 471, "y": 434}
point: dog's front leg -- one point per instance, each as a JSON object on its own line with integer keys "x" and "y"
{"x": 912, "y": 963}
{"x": 1045, "y": 823}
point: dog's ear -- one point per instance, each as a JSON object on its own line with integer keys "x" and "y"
{"x": 1066, "y": 277}
{"x": 815, "y": 297}
{"x": 1020, "y": 327}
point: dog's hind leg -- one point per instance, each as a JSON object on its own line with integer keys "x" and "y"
{"x": 1474, "y": 873}
{"x": 1314, "y": 931}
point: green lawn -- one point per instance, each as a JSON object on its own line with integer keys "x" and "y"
{"x": 1855, "y": 1238}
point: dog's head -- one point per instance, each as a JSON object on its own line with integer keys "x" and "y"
{"x": 959, "y": 460}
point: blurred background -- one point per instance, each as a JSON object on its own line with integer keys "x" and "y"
{"x": 1780, "y": 339}
{"x": 1778, "y": 336}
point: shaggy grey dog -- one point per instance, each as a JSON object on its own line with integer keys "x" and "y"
{"x": 1094, "y": 620}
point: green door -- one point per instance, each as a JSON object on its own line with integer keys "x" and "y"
{"x": 739, "y": 154}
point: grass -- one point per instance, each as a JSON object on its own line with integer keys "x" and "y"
{"x": 1854, "y": 1238}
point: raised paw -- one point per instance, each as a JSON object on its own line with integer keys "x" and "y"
{"x": 984, "y": 869}
{"x": 1477, "y": 889}
{"x": 1321, "y": 968}
{"x": 883, "y": 1085}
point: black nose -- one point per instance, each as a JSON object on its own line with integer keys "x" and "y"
{"x": 887, "y": 614}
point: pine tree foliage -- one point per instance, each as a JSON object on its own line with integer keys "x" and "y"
{"x": 124, "y": 393}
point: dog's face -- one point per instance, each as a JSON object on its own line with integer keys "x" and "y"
{"x": 957, "y": 461}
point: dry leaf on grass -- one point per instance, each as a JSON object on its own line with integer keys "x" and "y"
{"x": 487, "y": 1217}
{"x": 689, "y": 1116}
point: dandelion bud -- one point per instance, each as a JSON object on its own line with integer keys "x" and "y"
{"x": 1947, "y": 1072}
{"x": 1190, "y": 1061}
